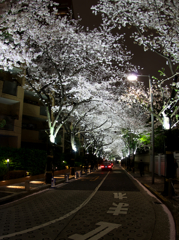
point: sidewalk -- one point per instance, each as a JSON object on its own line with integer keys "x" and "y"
{"x": 157, "y": 188}
{"x": 14, "y": 189}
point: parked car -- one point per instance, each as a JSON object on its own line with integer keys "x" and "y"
{"x": 106, "y": 166}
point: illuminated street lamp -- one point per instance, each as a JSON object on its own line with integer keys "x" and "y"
{"x": 8, "y": 164}
{"x": 133, "y": 77}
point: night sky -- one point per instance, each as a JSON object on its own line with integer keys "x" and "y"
{"x": 150, "y": 61}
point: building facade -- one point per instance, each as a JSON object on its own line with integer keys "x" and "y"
{"x": 23, "y": 120}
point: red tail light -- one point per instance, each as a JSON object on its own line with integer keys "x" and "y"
{"x": 102, "y": 166}
{"x": 109, "y": 166}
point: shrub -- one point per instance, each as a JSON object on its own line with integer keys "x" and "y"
{"x": 3, "y": 169}
{"x": 31, "y": 160}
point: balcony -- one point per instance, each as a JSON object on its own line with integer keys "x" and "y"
{"x": 10, "y": 88}
{"x": 34, "y": 110}
{"x": 6, "y": 123}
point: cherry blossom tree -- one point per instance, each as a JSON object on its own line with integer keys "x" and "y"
{"x": 72, "y": 71}
{"x": 95, "y": 128}
{"x": 154, "y": 25}
{"x": 108, "y": 140}
{"x": 64, "y": 65}
{"x": 131, "y": 118}
{"x": 165, "y": 105}
{"x": 83, "y": 121}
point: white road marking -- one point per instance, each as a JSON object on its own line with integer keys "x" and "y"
{"x": 57, "y": 219}
{"x": 170, "y": 217}
{"x": 103, "y": 229}
{"x": 36, "y": 193}
{"x": 171, "y": 221}
{"x": 119, "y": 208}
{"x": 120, "y": 195}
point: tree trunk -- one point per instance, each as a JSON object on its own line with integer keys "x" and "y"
{"x": 49, "y": 170}
{"x": 73, "y": 143}
{"x": 169, "y": 159}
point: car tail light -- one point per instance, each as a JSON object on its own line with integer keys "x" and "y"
{"x": 109, "y": 166}
{"x": 102, "y": 166}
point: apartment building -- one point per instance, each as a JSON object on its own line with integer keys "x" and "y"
{"x": 11, "y": 109}
{"x": 23, "y": 119}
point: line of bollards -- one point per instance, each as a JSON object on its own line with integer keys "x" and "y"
{"x": 77, "y": 175}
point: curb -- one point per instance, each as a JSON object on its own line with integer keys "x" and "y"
{"x": 17, "y": 196}
{"x": 167, "y": 203}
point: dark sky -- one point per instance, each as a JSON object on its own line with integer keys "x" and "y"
{"x": 150, "y": 61}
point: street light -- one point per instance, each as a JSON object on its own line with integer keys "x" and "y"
{"x": 8, "y": 164}
{"x": 133, "y": 77}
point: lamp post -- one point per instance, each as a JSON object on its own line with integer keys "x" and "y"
{"x": 8, "y": 164}
{"x": 133, "y": 77}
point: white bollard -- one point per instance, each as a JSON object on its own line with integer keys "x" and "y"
{"x": 79, "y": 173}
{"x": 52, "y": 182}
{"x": 76, "y": 175}
{"x": 67, "y": 177}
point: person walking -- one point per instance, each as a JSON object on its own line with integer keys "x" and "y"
{"x": 141, "y": 168}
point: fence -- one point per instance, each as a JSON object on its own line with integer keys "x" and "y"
{"x": 160, "y": 164}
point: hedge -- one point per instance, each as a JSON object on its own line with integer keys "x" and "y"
{"x": 3, "y": 169}
{"x": 31, "y": 160}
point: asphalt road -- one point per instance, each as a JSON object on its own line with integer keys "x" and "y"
{"x": 102, "y": 205}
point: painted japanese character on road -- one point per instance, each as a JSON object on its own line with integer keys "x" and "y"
{"x": 120, "y": 195}
{"x": 119, "y": 208}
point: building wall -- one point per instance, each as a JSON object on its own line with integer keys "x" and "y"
{"x": 11, "y": 110}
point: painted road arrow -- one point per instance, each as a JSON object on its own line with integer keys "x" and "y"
{"x": 96, "y": 234}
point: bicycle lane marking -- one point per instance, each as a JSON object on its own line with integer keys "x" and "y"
{"x": 58, "y": 219}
